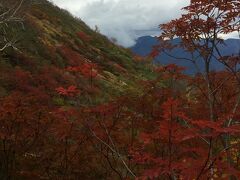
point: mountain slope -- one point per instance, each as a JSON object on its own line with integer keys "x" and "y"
{"x": 144, "y": 46}
{"x": 50, "y": 90}
{"x": 52, "y": 40}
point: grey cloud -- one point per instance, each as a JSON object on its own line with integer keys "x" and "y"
{"x": 125, "y": 20}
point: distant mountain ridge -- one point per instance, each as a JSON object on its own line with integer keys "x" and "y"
{"x": 145, "y": 44}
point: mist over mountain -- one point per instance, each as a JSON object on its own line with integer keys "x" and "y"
{"x": 145, "y": 44}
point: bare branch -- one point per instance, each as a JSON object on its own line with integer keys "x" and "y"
{"x": 9, "y": 15}
{"x": 114, "y": 151}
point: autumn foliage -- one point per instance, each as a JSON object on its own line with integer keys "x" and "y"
{"x": 173, "y": 126}
{"x": 70, "y": 91}
{"x": 83, "y": 36}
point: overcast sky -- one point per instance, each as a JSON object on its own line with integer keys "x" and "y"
{"x": 124, "y": 20}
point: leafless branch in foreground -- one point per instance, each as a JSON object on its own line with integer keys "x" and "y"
{"x": 9, "y": 15}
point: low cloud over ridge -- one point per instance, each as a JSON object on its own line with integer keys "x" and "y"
{"x": 124, "y": 20}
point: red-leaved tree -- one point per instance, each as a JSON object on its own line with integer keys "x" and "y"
{"x": 199, "y": 140}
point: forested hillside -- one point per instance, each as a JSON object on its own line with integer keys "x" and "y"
{"x": 74, "y": 105}
{"x": 54, "y": 71}
{"x": 50, "y": 42}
